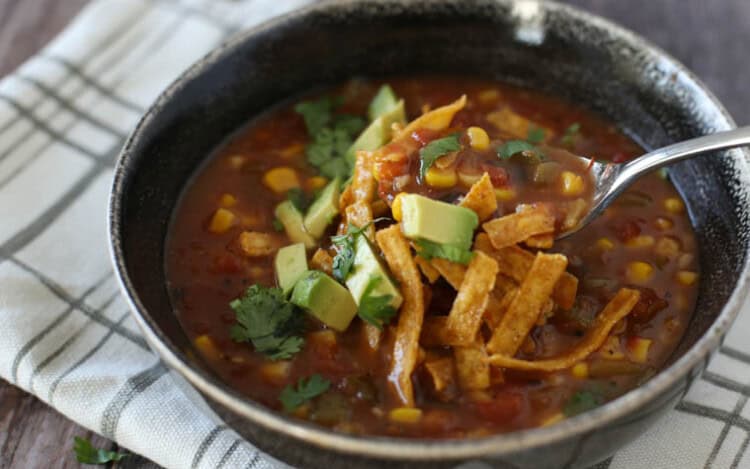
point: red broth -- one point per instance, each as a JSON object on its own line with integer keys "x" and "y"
{"x": 644, "y": 241}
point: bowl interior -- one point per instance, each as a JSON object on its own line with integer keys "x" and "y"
{"x": 547, "y": 47}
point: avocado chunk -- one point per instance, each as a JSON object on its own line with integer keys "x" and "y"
{"x": 384, "y": 101}
{"x": 378, "y": 133}
{"x": 323, "y": 209}
{"x": 325, "y": 298}
{"x": 367, "y": 266}
{"x": 290, "y": 263}
{"x": 439, "y": 222}
{"x": 294, "y": 226}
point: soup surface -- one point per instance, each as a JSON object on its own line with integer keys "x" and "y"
{"x": 414, "y": 288}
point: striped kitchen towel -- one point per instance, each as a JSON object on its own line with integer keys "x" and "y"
{"x": 65, "y": 332}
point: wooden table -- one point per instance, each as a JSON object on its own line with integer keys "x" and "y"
{"x": 710, "y": 37}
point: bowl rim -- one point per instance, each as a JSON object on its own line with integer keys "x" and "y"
{"x": 402, "y": 448}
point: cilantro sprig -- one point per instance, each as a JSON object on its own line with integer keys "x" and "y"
{"x": 269, "y": 321}
{"x": 435, "y": 149}
{"x": 377, "y": 310}
{"x": 582, "y": 401}
{"x": 292, "y": 397}
{"x": 331, "y": 134}
{"x": 428, "y": 250}
{"x": 298, "y": 198}
{"x": 87, "y": 454}
{"x": 534, "y": 137}
{"x": 571, "y": 134}
{"x": 345, "y": 246}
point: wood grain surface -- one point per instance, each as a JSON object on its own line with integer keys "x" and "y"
{"x": 709, "y": 36}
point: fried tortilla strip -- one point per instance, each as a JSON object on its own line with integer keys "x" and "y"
{"x": 515, "y": 125}
{"x": 406, "y": 345}
{"x": 619, "y": 307}
{"x": 427, "y": 269}
{"x": 481, "y": 198}
{"x": 472, "y": 367}
{"x": 525, "y": 308}
{"x": 322, "y": 261}
{"x": 436, "y": 119}
{"x": 363, "y": 182}
{"x": 465, "y": 315}
{"x": 360, "y": 214}
{"x": 515, "y": 263}
{"x": 518, "y": 227}
{"x": 503, "y": 283}
{"x": 441, "y": 373}
{"x": 542, "y": 241}
{"x": 496, "y": 311}
{"x": 452, "y": 272}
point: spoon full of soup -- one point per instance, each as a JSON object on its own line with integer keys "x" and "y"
{"x": 611, "y": 179}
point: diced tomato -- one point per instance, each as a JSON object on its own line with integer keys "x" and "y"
{"x": 424, "y": 136}
{"x": 498, "y": 175}
{"x": 502, "y": 409}
{"x": 226, "y": 264}
{"x": 648, "y": 305}
{"x": 627, "y": 230}
{"x": 620, "y": 157}
{"x": 387, "y": 170}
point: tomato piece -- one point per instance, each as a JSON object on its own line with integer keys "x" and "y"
{"x": 226, "y": 264}
{"x": 502, "y": 409}
{"x": 620, "y": 157}
{"x": 649, "y": 304}
{"x": 627, "y": 230}
{"x": 498, "y": 176}
{"x": 424, "y": 136}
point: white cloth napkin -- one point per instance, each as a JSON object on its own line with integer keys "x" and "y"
{"x": 65, "y": 332}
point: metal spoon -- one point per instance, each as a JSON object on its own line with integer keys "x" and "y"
{"x": 612, "y": 179}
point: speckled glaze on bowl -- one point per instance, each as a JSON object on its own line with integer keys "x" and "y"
{"x": 546, "y": 46}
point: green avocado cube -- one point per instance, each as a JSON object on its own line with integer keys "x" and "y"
{"x": 325, "y": 298}
{"x": 323, "y": 209}
{"x": 290, "y": 263}
{"x": 293, "y": 223}
{"x": 367, "y": 266}
{"x": 436, "y": 221}
{"x": 384, "y": 101}
{"x": 378, "y": 133}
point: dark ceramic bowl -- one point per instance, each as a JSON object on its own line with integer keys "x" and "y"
{"x": 545, "y": 46}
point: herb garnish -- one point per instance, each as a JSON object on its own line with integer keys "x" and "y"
{"x": 580, "y": 402}
{"x": 87, "y": 454}
{"x": 277, "y": 225}
{"x": 298, "y": 198}
{"x": 428, "y": 250}
{"x": 570, "y": 135}
{"x": 435, "y": 149}
{"x": 535, "y": 135}
{"x": 331, "y": 135}
{"x": 511, "y": 147}
{"x": 344, "y": 244}
{"x": 376, "y": 310}
{"x": 269, "y": 321}
{"x": 292, "y": 398}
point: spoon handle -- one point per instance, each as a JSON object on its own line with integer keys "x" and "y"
{"x": 679, "y": 151}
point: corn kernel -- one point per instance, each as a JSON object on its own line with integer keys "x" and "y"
{"x": 553, "y": 419}
{"x": 504, "y": 194}
{"x": 668, "y": 247}
{"x": 276, "y": 372}
{"x": 236, "y": 161}
{"x": 687, "y": 277}
{"x": 488, "y": 96}
{"x": 640, "y": 241}
{"x": 442, "y": 178}
{"x": 281, "y": 179}
{"x": 396, "y": 207}
{"x": 663, "y": 224}
{"x": 227, "y": 200}
{"x": 674, "y": 205}
{"x": 611, "y": 350}
{"x": 639, "y": 272}
{"x": 206, "y": 347}
{"x": 405, "y": 415}
{"x": 316, "y": 182}
{"x": 572, "y": 184}
{"x": 222, "y": 220}
{"x": 468, "y": 179}
{"x": 478, "y": 138}
{"x": 605, "y": 244}
{"x": 580, "y": 370}
{"x": 638, "y": 348}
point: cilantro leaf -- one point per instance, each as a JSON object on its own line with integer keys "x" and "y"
{"x": 269, "y": 321}
{"x": 344, "y": 244}
{"x": 376, "y": 310}
{"x": 428, "y": 250}
{"x": 582, "y": 401}
{"x": 435, "y": 149}
{"x": 87, "y": 454}
{"x": 292, "y": 398}
{"x": 331, "y": 135}
{"x": 571, "y": 133}
{"x": 535, "y": 135}
{"x": 298, "y": 198}
{"x": 277, "y": 225}
{"x": 511, "y": 147}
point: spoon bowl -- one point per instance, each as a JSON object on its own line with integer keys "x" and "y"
{"x": 611, "y": 179}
